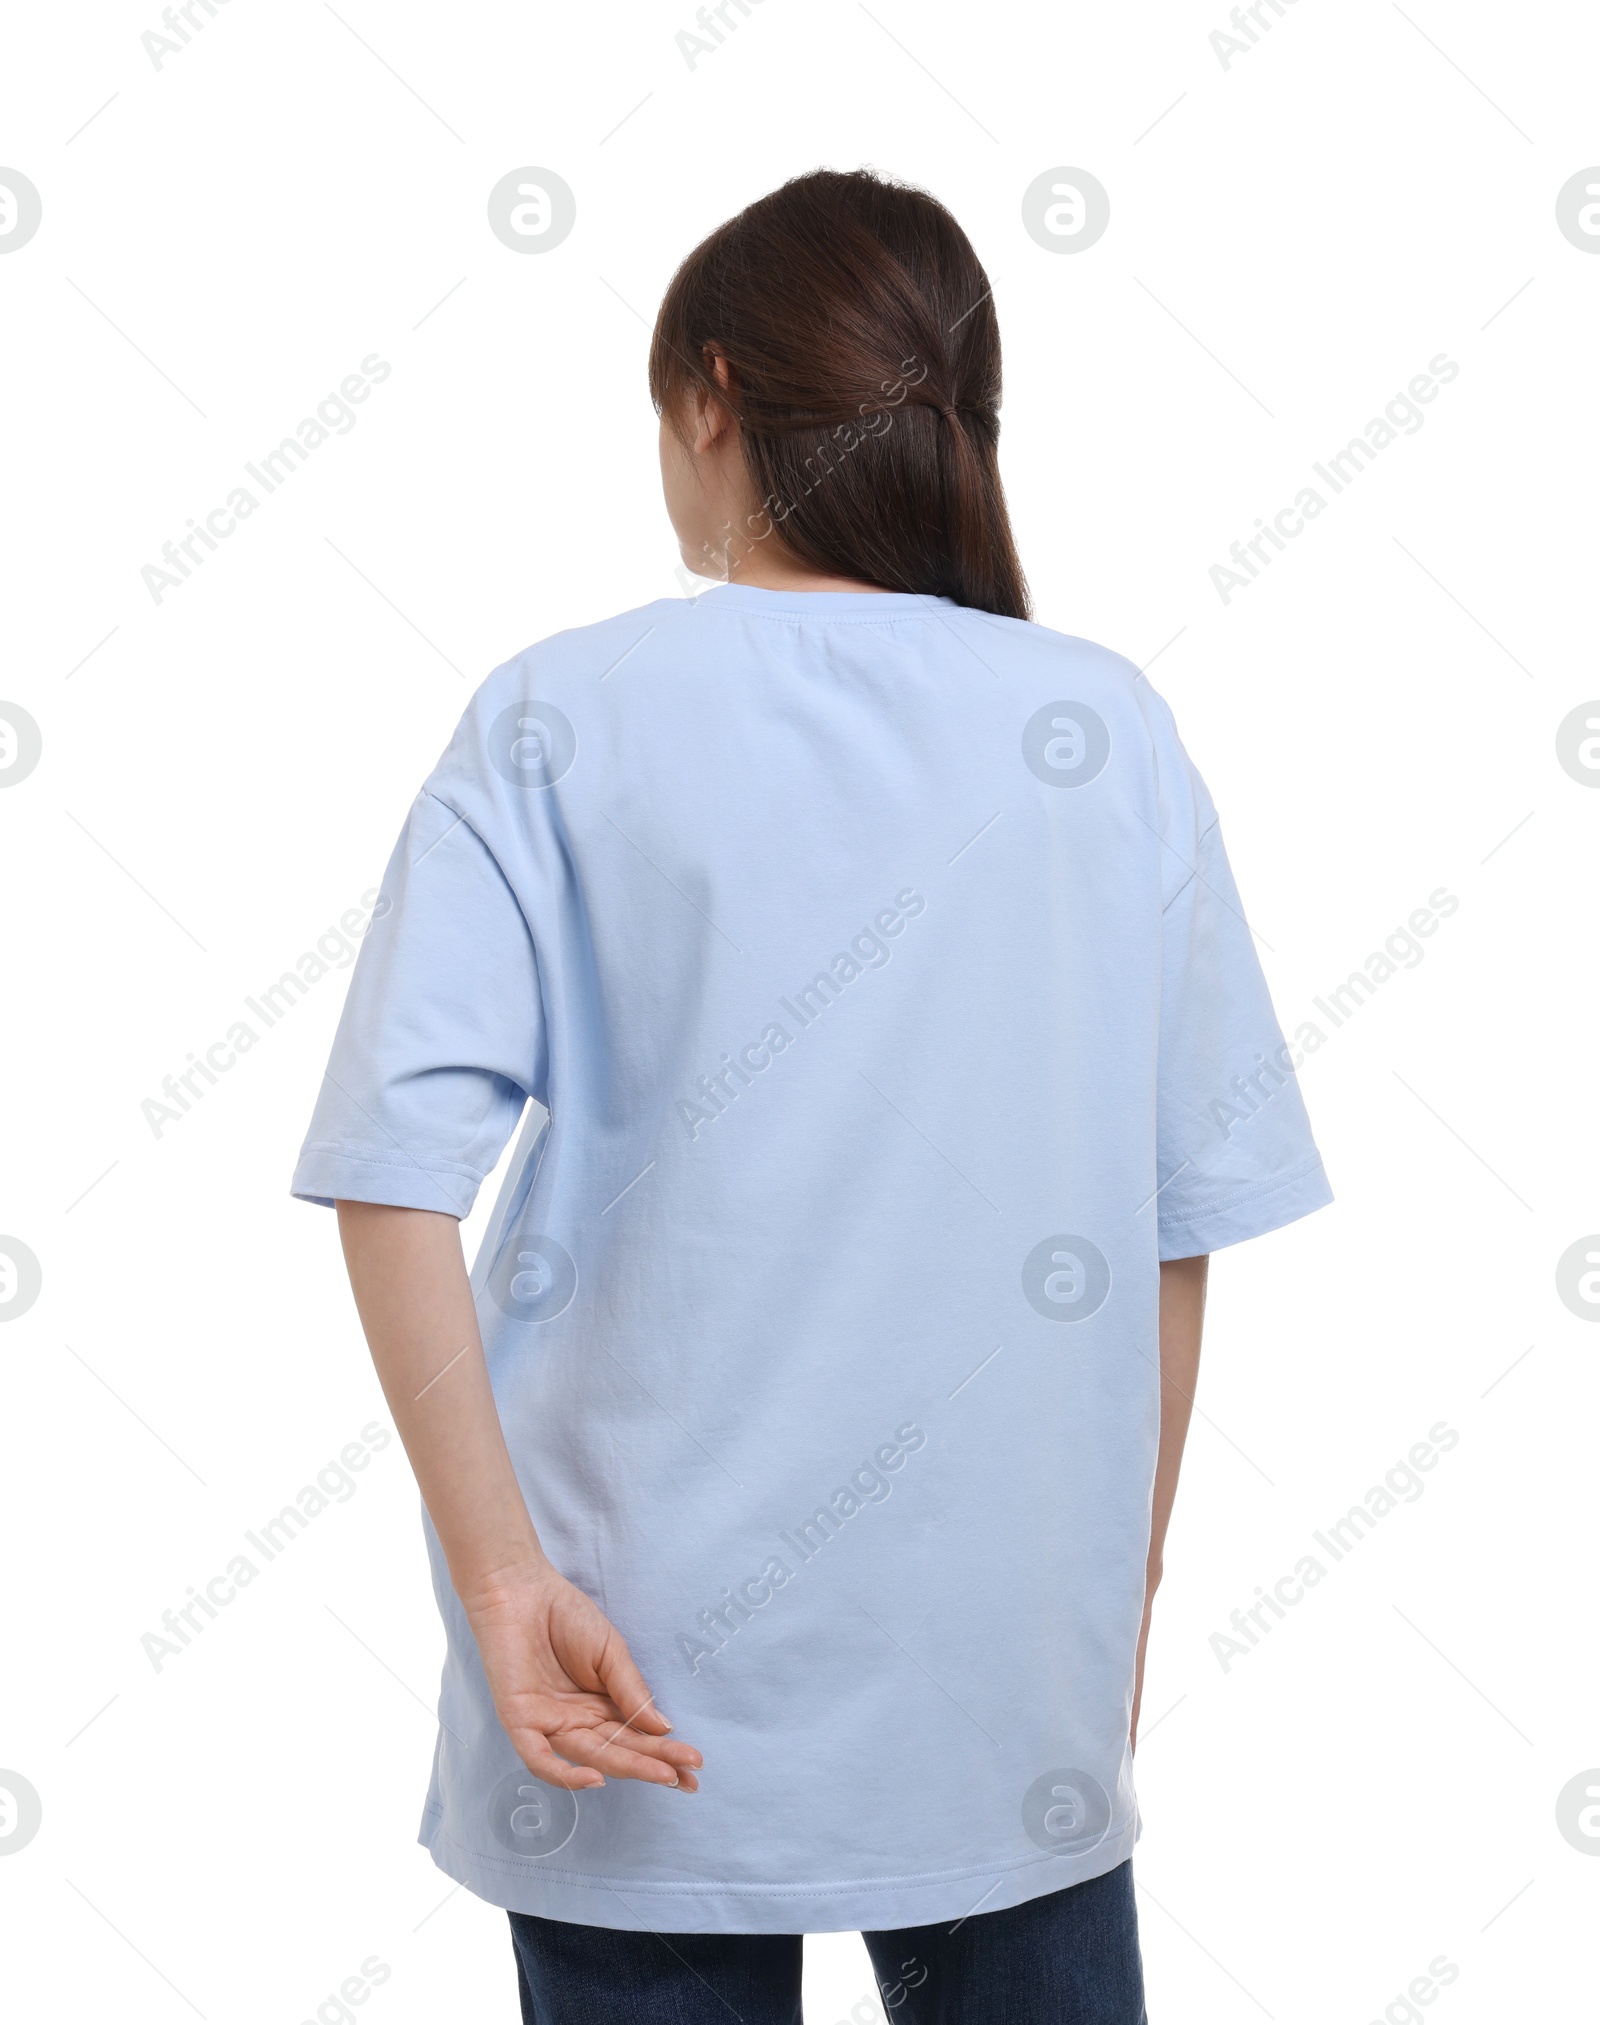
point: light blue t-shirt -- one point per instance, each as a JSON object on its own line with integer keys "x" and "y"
{"x": 880, "y": 966}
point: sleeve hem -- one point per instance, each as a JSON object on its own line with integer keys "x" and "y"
{"x": 1217, "y": 1225}
{"x": 326, "y": 1175}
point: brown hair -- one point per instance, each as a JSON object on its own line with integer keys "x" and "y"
{"x": 860, "y": 333}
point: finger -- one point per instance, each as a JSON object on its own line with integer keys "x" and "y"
{"x": 542, "y": 1762}
{"x": 570, "y": 1712}
{"x": 648, "y": 1759}
{"x": 625, "y": 1684}
{"x": 621, "y": 1760}
{"x": 669, "y": 1750}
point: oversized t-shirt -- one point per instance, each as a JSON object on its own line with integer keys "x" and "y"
{"x": 871, "y": 979}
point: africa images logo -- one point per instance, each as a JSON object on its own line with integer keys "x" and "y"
{"x": 716, "y": 1092}
{"x": 1066, "y": 1812}
{"x": 533, "y": 1279}
{"x": 532, "y": 744}
{"x": 1066, "y": 745}
{"x": 530, "y": 1818}
{"x": 1066, "y": 1278}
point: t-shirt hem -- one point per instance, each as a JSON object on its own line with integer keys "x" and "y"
{"x": 1269, "y": 1207}
{"x": 329, "y": 1174}
{"x": 716, "y": 1907}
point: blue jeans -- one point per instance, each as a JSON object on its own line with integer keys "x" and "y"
{"x": 1069, "y": 1958}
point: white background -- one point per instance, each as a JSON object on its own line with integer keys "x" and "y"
{"x": 1292, "y": 238}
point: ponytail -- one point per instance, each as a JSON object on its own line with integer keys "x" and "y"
{"x": 864, "y": 358}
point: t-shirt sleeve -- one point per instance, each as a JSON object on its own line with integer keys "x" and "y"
{"x": 1235, "y": 1155}
{"x": 441, "y": 1042}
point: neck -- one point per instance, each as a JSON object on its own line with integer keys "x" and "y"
{"x": 770, "y": 568}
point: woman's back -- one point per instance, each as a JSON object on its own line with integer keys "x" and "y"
{"x": 879, "y": 964}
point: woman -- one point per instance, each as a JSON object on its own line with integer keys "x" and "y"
{"x": 824, "y": 1375}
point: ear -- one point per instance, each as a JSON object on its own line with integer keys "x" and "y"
{"x": 713, "y": 417}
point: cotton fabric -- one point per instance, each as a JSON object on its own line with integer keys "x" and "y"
{"x": 869, "y": 978}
